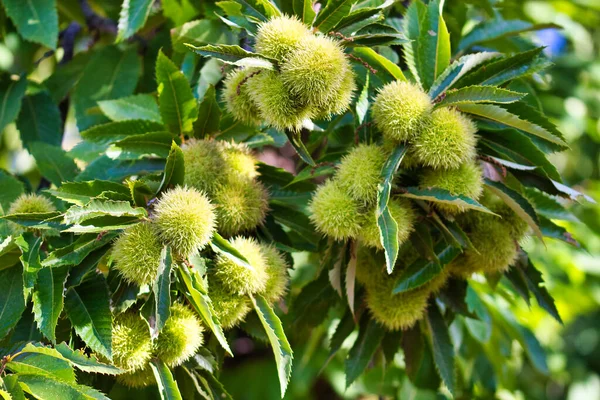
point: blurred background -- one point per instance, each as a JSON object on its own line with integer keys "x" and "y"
{"x": 569, "y": 93}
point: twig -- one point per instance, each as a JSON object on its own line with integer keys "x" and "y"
{"x": 96, "y": 22}
{"x": 363, "y": 62}
{"x": 239, "y": 86}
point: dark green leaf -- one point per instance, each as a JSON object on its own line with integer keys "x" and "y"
{"x": 30, "y": 259}
{"x": 174, "y": 169}
{"x": 344, "y": 328}
{"x": 136, "y": 107}
{"x": 80, "y": 193}
{"x": 359, "y": 18}
{"x": 60, "y": 83}
{"x": 279, "y": 343}
{"x": 104, "y": 168}
{"x": 443, "y": 350}
{"x": 88, "y": 309}
{"x": 115, "y": 131}
{"x": 44, "y": 387}
{"x": 304, "y": 10}
{"x": 132, "y": 18}
{"x": 48, "y": 299}
{"x": 260, "y": 9}
{"x": 53, "y": 163}
{"x": 156, "y": 144}
{"x": 197, "y": 33}
{"x": 110, "y": 74}
{"x": 479, "y": 94}
{"x": 74, "y": 253}
{"x": 235, "y": 55}
{"x": 535, "y": 283}
{"x": 433, "y": 45}
{"x": 332, "y": 14}
{"x": 209, "y": 115}
{"x": 39, "y": 120}
{"x": 161, "y": 288}
{"x": 295, "y": 140}
{"x": 370, "y": 335}
{"x": 11, "y": 189}
{"x": 442, "y": 196}
{"x": 12, "y": 302}
{"x": 386, "y": 70}
{"x": 40, "y": 360}
{"x": 11, "y": 93}
{"x": 86, "y": 363}
{"x": 36, "y": 20}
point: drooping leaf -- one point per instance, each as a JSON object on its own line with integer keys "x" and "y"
{"x": 43, "y": 387}
{"x": 178, "y": 107}
{"x": 209, "y": 115}
{"x": 40, "y": 221}
{"x": 279, "y": 343}
{"x": 443, "y": 350}
{"x": 370, "y": 334}
{"x": 12, "y": 302}
{"x": 479, "y": 94}
{"x": 11, "y": 93}
{"x": 344, "y": 328}
{"x": 132, "y": 17}
{"x": 136, "y": 107}
{"x": 442, "y": 196}
{"x": 235, "y": 55}
{"x": 295, "y": 140}
{"x": 386, "y": 69}
{"x": 86, "y": 363}
{"x": 36, "y": 20}
{"x": 304, "y": 10}
{"x": 53, "y": 162}
{"x": 376, "y": 34}
{"x": 167, "y": 386}
{"x": 161, "y": 288}
{"x": 332, "y": 14}
{"x": 48, "y": 299}
{"x": 110, "y": 74}
{"x": 519, "y": 204}
{"x": 88, "y": 309}
{"x": 388, "y": 227}
{"x": 532, "y": 277}
{"x": 39, "y": 120}
{"x": 30, "y": 259}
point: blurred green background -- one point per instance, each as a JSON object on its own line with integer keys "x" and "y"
{"x": 570, "y": 95}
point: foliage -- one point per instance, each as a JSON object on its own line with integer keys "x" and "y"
{"x": 148, "y": 235}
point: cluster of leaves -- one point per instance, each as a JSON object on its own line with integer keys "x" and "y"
{"x": 134, "y": 112}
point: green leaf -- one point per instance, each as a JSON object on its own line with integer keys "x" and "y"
{"x": 303, "y": 9}
{"x": 222, "y": 246}
{"x": 49, "y": 220}
{"x": 443, "y": 350}
{"x": 519, "y": 204}
{"x": 60, "y": 83}
{"x": 370, "y": 335}
{"x": 178, "y": 107}
{"x": 132, "y": 17}
{"x": 11, "y": 93}
{"x": 174, "y": 169}
{"x": 479, "y": 94}
{"x": 295, "y": 139}
{"x": 46, "y": 388}
{"x": 36, "y": 20}
{"x": 48, "y": 299}
{"x": 88, "y": 309}
{"x": 497, "y": 28}
{"x": 433, "y": 45}
{"x": 422, "y": 271}
{"x": 505, "y": 69}
{"x": 53, "y": 162}
{"x": 12, "y": 301}
{"x": 30, "y": 259}
{"x": 11, "y": 384}
{"x": 74, "y": 253}
{"x": 161, "y": 288}
{"x": 386, "y": 70}
{"x": 39, "y": 120}
{"x": 209, "y": 115}
{"x": 110, "y": 74}
{"x": 535, "y": 283}
{"x": 279, "y": 343}
{"x": 456, "y": 70}
{"x": 197, "y": 33}
{"x": 343, "y": 329}
{"x": 39, "y": 360}
{"x": 198, "y": 298}
{"x": 376, "y": 34}
{"x": 86, "y": 363}
{"x": 98, "y": 208}
{"x": 235, "y": 55}
{"x": 167, "y": 386}
{"x": 156, "y": 144}
{"x": 388, "y": 227}
{"x": 416, "y": 12}
{"x": 179, "y": 11}
{"x": 360, "y": 18}
{"x": 104, "y": 168}
{"x": 80, "y": 193}
{"x": 533, "y": 115}
{"x": 259, "y": 9}
{"x": 11, "y": 189}
{"x": 9, "y": 252}
{"x": 443, "y": 196}
{"x": 136, "y": 107}
{"x": 332, "y": 14}
{"x": 115, "y": 131}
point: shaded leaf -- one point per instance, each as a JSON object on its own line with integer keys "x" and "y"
{"x": 11, "y": 93}
{"x": 86, "y": 363}
{"x": 36, "y": 20}
{"x": 209, "y": 115}
{"x": 39, "y": 120}
{"x": 104, "y": 168}
{"x": 149, "y": 144}
{"x": 74, "y": 253}
{"x": 442, "y": 196}
{"x": 136, "y": 107}
{"x": 344, "y": 328}
{"x": 115, "y": 131}
{"x": 443, "y": 351}
{"x": 332, "y": 14}
{"x": 235, "y": 55}
{"x": 29, "y": 244}
{"x": 53, "y": 163}
{"x": 161, "y": 288}
{"x": 12, "y": 302}
{"x": 370, "y": 334}
{"x": 479, "y": 94}
{"x": 48, "y": 299}
{"x": 304, "y": 10}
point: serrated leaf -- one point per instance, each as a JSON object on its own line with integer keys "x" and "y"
{"x": 332, "y": 14}
{"x": 36, "y": 20}
{"x": 458, "y": 69}
{"x": 13, "y": 390}
{"x": 388, "y": 227}
{"x": 442, "y": 196}
{"x": 359, "y": 18}
{"x": 532, "y": 277}
{"x": 370, "y": 335}
{"x": 174, "y": 169}
{"x": 479, "y": 94}
{"x": 11, "y": 93}
{"x": 375, "y": 34}
{"x": 39, "y": 120}
{"x": 136, "y": 107}
{"x": 295, "y": 139}
{"x": 40, "y": 360}
{"x": 432, "y": 45}
{"x": 88, "y": 309}
{"x": 505, "y": 69}
{"x": 12, "y": 302}
{"x": 304, "y": 10}
{"x": 344, "y": 328}
{"x": 105, "y": 168}
{"x": 443, "y": 350}
{"x": 279, "y": 343}
{"x": 259, "y": 9}
{"x": 167, "y": 386}
{"x": 11, "y": 189}
{"x": 50, "y": 220}
{"x": 86, "y": 363}
{"x": 422, "y": 271}
{"x": 53, "y": 162}
{"x": 235, "y": 55}
{"x": 110, "y": 74}
{"x": 497, "y": 28}
{"x": 132, "y": 17}
{"x": 114, "y": 131}
{"x": 30, "y": 259}
{"x": 519, "y": 204}
{"x": 80, "y": 193}
{"x": 74, "y": 253}
{"x": 199, "y": 32}
{"x": 209, "y": 115}
{"x": 98, "y": 208}
{"x": 222, "y": 246}
{"x": 386, "y": 70}
{"x": 161, "y": 288}
{"x": 48, "y": 299}
{"x": 46, "y": 388}
{"x": 198, "y": 298}
{"x": 155, "y": 144}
